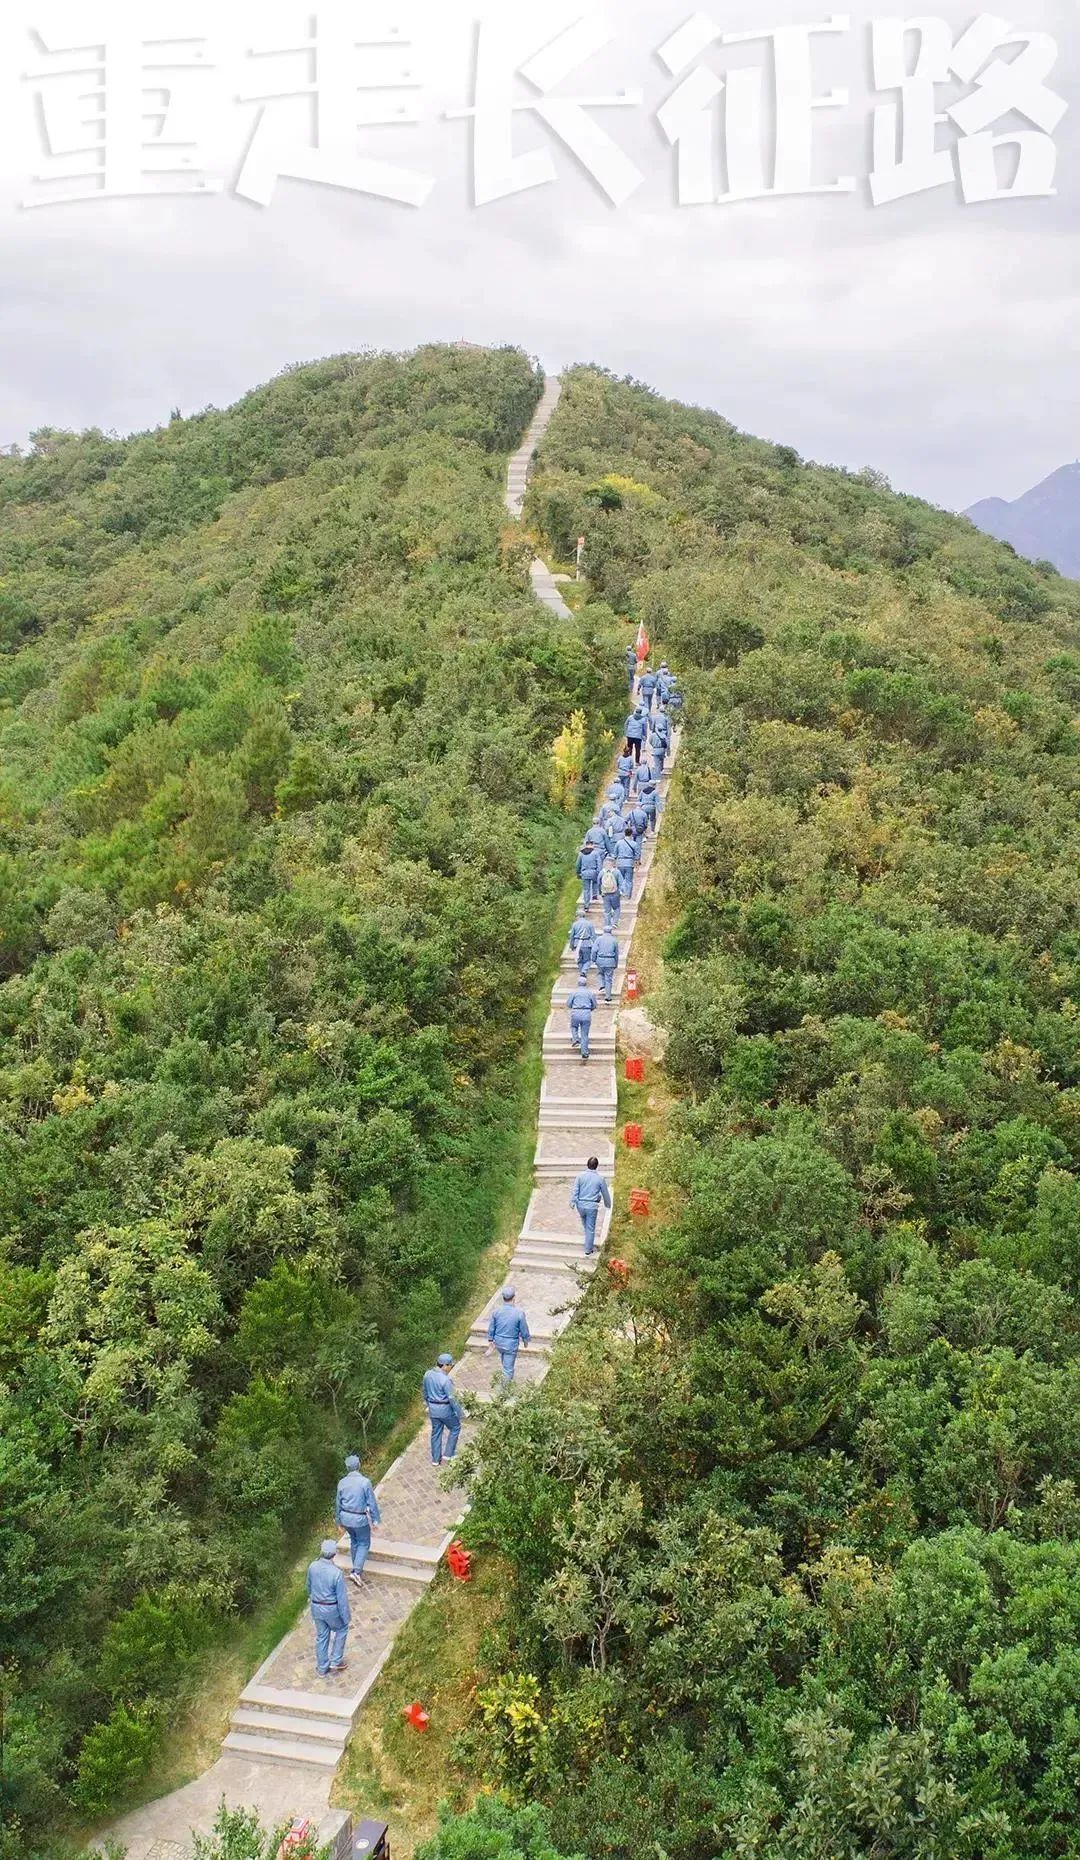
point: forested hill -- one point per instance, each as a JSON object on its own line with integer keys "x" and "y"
{"x": 276, "y": 865}
{"x": 793, "y": 1533}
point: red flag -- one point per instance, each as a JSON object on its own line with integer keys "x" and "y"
{"x": 643, "y": 646}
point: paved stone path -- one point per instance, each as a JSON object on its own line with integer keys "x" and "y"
{"x": 290, "y": 1727}
{"x": 517, "y": 479}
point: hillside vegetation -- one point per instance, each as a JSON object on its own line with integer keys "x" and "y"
{"x": 277, "y": 866}
{"x": 792, "y": 1537}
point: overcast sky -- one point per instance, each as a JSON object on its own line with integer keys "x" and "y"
{"x": 935, "y": 340}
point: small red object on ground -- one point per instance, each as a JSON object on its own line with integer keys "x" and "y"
{"x": 635, "y": 1071}
{"x": 460, "y": 1561}
{"x": 632, "y": 989}
{"x": 640, "y": 1202}
{"x": 632, "y": 1136}
{"x": 298, "y": 1834}
{"x": 417, "y": 1717}
{"x": 619, "y": 1273}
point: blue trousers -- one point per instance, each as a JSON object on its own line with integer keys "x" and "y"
{"x": 612, "y": 909}
{"x": 626, "y": 879}
{"x": 606, "y": 978}
{"x": 584, "y": 964}
{"x": 331, "y": 1633}
{"x": 359, "y": 1546}
{"x": 580, "y": 1027}
{"x": 590, "y": 888}
{"x": 446, "y": 1419}
{"x": 589, "y": 1217}
{"x": 508, "y": 1359}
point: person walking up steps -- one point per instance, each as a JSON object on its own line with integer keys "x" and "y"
{"x": 610, "y": 895}
{"x": 508, "y": 1329}
{"x": 627, "y": 854}
{"x": 444, "y": 1411}
{"x": 647, "y": 690}
{"x": 589, "y": 862}
{"x": 356, "y": 1509}
{"x": 588, "y": 1193}
{"x": 582, "y": 938}
{"x": 329, "y": 1610}
{"x": 649, "y": 800}
{"x": 631, "y": 666}
{"x": 582, "y": 1006}
{"x": 636, "y": 729}
{"x": 606, "y": 958}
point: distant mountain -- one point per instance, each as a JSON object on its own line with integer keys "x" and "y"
{"x": 1044, "y": 524}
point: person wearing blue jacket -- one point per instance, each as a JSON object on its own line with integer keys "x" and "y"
{"x": 631, "y": 666}
{"x": 616, "y": 793}
{"x": 582, "y": 939}
{"x": 329, "y": 1610}
{"x": 444, "y": 1411}
{"x": 637, "y": 822}
{"x": 356, "y": 1509}
{"x": 582, "y": 1006}
{"x": 664, "y": 682}
{"x": 635, "y": 733}
{"x": 606, "y": 958}
{"x": 508, "y": 1329}
{"x": 647, "y": 690}
{"x": 625, "y": 770}
{"x": 627, "y": 854}
{"x": 587, "y": 1194}
{"x": 649, "y": 799}
{"x": 610, "y": 895}
{"x": 597, "y": 834}
{"x": 589, "y": 862}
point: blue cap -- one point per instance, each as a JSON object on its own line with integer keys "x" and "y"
{"x": 445, "y": 1361}
{"x": 508, "y": 1293}
{"x": 329, "y": 1546}
{"x": 352, "y": 1464}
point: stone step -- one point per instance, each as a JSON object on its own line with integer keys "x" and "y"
{"x": 564, "y": 988}
{"x": 393, "y": 1569}
{"x": 422, "y": 1557}
{"x": 292, "y": 1751}
{"x": 564, "y": 1117}
{"x": 331, "y": 1732}
{"x": 549, "y": 1259}
{"x": 561, "y": 1154}
{"x": 300, "y": 1704}
{"x": 558, "y": 1045}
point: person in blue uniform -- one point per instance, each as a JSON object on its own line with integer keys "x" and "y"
{"x": 582, "y": 1006}
{"x": 444, "y": 1411}
{"x": 582, "y": 938}
{"x": 627, "y": 854}
{"x": 589, "y": 862}
{"x": 329, "y": 1610}
{"x": 508, "y": 1329}
{"x": 610, "y": 895}
{"x": 637, "y": 727}
{"x": 589, "y": 1193}
{"x": 356, "y": 1509}
{"x": 606, "y": 958}
{"x": 631, "y": 666}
